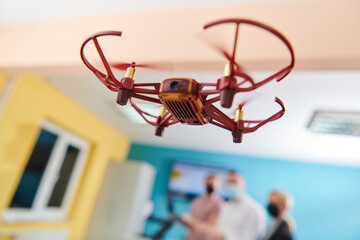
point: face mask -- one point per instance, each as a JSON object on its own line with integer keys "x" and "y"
{"x": 210, "y": 189}
{"x": 273, "y": 210}
{"x": 233, "y": 191}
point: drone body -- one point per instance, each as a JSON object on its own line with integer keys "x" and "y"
{"x": 179, "y": 97}
{"x": 184, "y": 100}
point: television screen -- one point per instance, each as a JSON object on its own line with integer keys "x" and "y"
{"x": 189, "y": 179}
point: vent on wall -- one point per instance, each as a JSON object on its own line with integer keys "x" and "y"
{"x": 342, "y": 123}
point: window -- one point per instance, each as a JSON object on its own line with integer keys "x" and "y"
{"x": 50, "y": 178}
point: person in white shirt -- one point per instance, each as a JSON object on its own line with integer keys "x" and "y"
{"x": 241, "y": 218}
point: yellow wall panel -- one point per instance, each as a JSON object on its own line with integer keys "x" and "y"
{"x": 32, "y": 101}
{"x": 3, "y": 81}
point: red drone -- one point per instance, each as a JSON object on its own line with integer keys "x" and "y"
{"x": 185, "y": 100}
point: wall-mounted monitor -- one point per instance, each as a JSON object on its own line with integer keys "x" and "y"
{"x": 188, "y": 179}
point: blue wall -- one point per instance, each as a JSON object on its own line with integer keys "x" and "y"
{"x": 327, "y": 198}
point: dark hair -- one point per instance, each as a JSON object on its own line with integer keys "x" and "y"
{"x": 211, "y": 175}
{"x": 233, "y": 171}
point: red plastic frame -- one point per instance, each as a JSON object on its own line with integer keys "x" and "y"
{"x": 211, "y": 113}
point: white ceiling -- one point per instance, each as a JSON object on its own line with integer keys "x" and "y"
{"x": 287, "y": 138}
{"x": 13, "y": 12}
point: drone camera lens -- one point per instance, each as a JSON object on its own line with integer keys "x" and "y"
{"x": 174, "y": 85}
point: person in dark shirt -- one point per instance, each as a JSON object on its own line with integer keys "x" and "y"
{"x": 282, "y": 224}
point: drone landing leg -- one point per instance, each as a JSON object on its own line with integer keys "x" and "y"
{"x": 123, "y": 96}
{"x": 237, "y": 135}
{"x": 164, "y": 120}
{"x": 226, "y": 97}
{"x": 159, "y": 130}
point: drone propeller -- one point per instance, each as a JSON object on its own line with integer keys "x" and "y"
{"x": 223, "y": 48}
{"x": 229, "y": 57}
{"x": 241, "y": 105}
{"x": 220, "y": 47}
{"x": 164, "y": 66}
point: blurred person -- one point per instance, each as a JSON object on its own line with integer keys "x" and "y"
{"x": 241, "y": 218}
{"x": 282, "y": 224}
{"x": 206, "y": 208}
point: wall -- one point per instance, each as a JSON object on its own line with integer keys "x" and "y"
{"x": 3, "y": 80}
{"x": 32, "y": 101}
{"x": 327, "y": 198}
{"x": 4, "y": 83}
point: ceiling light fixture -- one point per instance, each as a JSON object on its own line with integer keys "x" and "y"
{"x": 341, "y": 123}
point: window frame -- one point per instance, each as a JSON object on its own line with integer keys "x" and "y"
{"x": 39, "y": 210}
